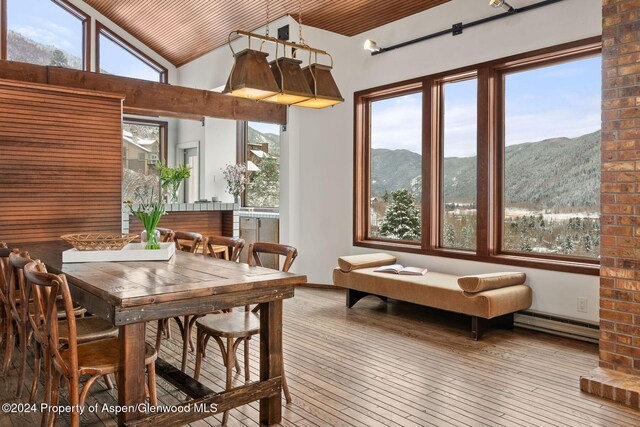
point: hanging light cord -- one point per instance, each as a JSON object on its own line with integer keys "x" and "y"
{"x": 301, "y": 40}
{"x": 267, "y": 25}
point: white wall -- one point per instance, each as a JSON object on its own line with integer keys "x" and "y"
{"x": 323, "y": 184}
{"x": 316, "y": 210}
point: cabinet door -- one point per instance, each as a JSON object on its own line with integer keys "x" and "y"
{"x": 268, "y": 231}
{"x": 248, "y": 232}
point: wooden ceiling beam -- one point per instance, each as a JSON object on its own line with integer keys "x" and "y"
{"x": 150, "y": 98}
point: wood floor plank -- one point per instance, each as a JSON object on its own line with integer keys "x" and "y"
{"x": 392, "y": 364}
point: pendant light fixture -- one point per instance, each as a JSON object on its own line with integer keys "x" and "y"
{"x": 324, "y": 87}
{"x": 291, "y": 81}
{"x": 250, "y": 75}
{"x": 284, "y": 82}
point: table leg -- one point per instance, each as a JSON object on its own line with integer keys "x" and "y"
{"x": 131, "y": 380}
{"x": 270, "y": 358}
{"x": 186, "y": 342}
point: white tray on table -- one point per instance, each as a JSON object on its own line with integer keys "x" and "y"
{"x": 131, "y": 252}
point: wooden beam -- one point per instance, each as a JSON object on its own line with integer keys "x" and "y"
{"x": 150, "y": 98}
{"x": 212, "y": 404}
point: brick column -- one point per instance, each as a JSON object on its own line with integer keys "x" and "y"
{"x": 618, "y": 376}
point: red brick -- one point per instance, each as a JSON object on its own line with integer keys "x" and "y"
{"x": 611, "y": 230}
{"x": 616, "y": 358}
{"x": 616, "y": 316}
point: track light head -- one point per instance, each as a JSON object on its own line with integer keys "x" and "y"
{"x": 371, "y": 46}
{"x": 501, "y": 3}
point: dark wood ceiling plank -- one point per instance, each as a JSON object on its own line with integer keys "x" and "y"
{"x": 185, "y": 30}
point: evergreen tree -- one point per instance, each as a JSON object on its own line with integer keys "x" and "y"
{"x": 588, "y": 243}
{"x": 569, "y": 248}
{"x": 525, "y": 243}
{"x": 467, "y": 237}
{"x": 449, "y": 235}
{"x": 59, "y": 59}
{"x": 264, "y": 187}
{"x": 401, "y": 218}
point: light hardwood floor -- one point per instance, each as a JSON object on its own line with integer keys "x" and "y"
{"x": 398, "y": 365}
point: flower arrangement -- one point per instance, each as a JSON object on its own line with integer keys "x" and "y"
{"x": 148, "y": 211}
{"x": 236, "y": 177}
{"x": 171, "y": 178}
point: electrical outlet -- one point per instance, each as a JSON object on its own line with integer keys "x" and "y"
{"x": 582, "y": 305}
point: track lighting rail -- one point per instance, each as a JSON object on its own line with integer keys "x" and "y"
{"x": 458, "y": 28}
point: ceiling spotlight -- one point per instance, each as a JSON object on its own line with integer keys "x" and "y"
{"x": 501, "y": 3}
{"x": 371, "y": 46}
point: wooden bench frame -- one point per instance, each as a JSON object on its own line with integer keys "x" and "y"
{"x": 479, "y": 325}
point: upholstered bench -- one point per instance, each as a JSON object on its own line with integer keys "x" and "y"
{"x": 490, "y": 299}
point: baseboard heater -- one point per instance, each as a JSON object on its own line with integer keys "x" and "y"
{"x": 557, "y": 326}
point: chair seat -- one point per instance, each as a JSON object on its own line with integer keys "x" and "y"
{"x": 234, "y": 324}
{"x": 88, "y": 329}
{"x": 77, "y": 310}
{"x": 102, "y": 357}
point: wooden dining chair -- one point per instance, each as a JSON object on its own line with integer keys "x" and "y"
{"x": 186, "y": 242}
{"x": 233, "y": 245}
{"x": 88, "y": 329}
{"x": 239, "y": 326}
{"x": 5, "y": 309}
{"x": 166, "y": 234}
{"x": 95, "y": 359}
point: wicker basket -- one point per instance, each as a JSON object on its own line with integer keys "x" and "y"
{"x": 99, "y": 241}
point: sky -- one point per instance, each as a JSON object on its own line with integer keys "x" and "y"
{"x": 45, "y": 22}
{"x": 562, "y": 100}
{"x": 265, "y": 127}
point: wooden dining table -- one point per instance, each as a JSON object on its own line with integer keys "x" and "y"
{"x": 130, "y": 294}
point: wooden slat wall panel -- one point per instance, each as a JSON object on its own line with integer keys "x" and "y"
{"x": 205, "y": 222}
{"x": 227, "y": 223}
{"x": 61, "y": 162}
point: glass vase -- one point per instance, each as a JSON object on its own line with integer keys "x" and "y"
{"x": 150, "y": 239}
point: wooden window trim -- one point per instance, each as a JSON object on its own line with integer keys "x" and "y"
{"x": 86, "y": 30}
{"x": 3, "y": 29}
{"x": 164, "y": 133}
{"x": 437, "y": 160}
{"x": 105, "y": 31}
{"x": 490, "y": 156}
{"x": 67, "y": 6}
{"x": 242, "y": 156}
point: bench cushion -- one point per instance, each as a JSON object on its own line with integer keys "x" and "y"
{"x": 484, "y": 282}
{"x": 437, "y": 290}
{"x": 355, "y": 262}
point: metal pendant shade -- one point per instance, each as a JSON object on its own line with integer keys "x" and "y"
{"x": 250, "y": 76}
{"x": 291, "y": 80}
{"x": 324, "y": 87}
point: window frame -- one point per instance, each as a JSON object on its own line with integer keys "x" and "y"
{"x": 490, "y": 163}
{"x": 164, "y": 132}
{"x": 68, "y": 7}
{"x": 242, "y": 156}
{"x": 102, "y": 30}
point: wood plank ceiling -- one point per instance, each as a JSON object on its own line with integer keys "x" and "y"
{"x": 184, "y": 30}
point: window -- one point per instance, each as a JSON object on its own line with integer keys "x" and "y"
{"x": 395, "y": 192}
{"x": 261, "y": 152}
{"x": 144, "y": 144}
{"x": 508, "y": 152}
{"x": 459, "y": 164}
{"x": 47, "y": 32}
{"x": 115, "y": 56}
{"x": 552, "y": 159}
